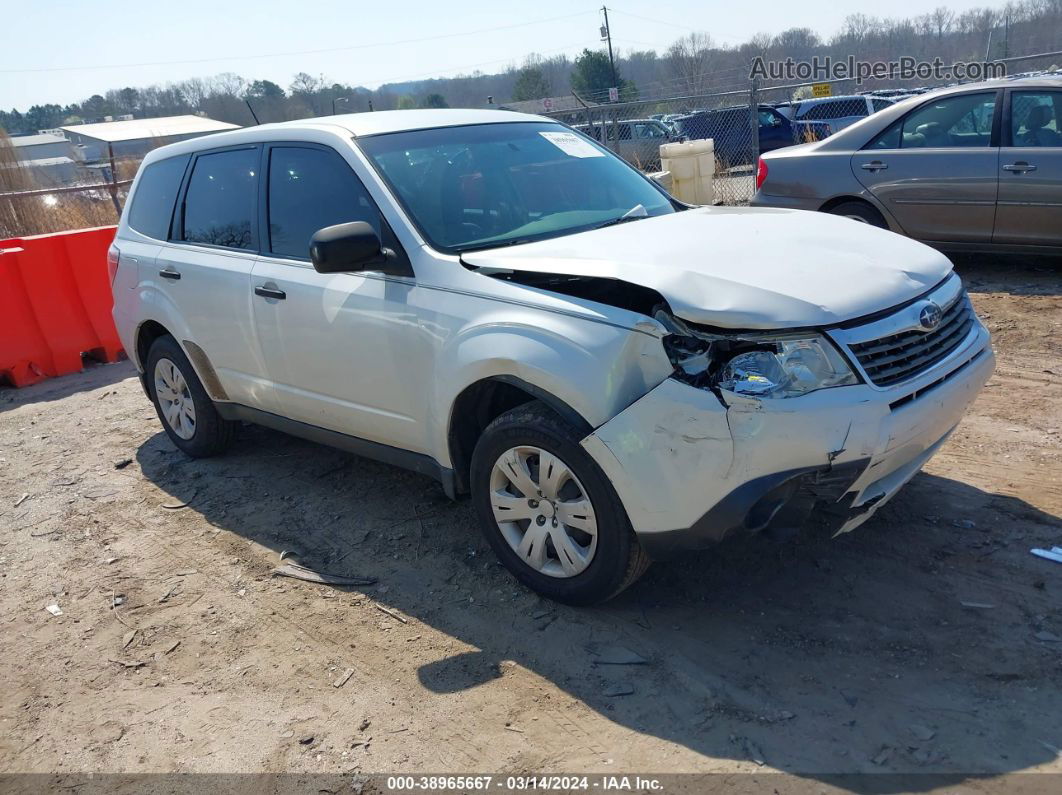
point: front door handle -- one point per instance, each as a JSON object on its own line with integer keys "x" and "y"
{"x": 170, "y": 272}
{"x": 875, "y": 165}
{"x": 1019, "y": 168}
{"x": 266, "y": 291}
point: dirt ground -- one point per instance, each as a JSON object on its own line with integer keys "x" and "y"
{"x": 929, "y": 640}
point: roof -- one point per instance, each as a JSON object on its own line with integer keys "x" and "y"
{"x": 38, "y": 140}
{"x": 40, "y": 162}
{"x": 347, "y": 125}
{"x": 163, "y": 127}
{"x": 386, "y": 121}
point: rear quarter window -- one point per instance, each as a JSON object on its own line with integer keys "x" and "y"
{"x": 155, "y": 195}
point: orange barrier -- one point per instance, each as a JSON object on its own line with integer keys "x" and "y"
{"x": 55, "y": 304}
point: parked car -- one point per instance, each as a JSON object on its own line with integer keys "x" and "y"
{"x": 731, "y": 129}
{"x": 960, "y": 168}
{"x": 639, "y": 139}
{"x": 839, "y": 112}
{"x": 499, "y": 303}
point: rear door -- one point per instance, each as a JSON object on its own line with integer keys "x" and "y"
{"x": 151, "y": 214}
{"x": 205, "y": 270}
{"x": 1030, "y": 175}
{"x": 344, "y": 351}
{"x": 936, "y": 169}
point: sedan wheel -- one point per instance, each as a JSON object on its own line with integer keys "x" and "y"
{"x": 543, "y": 511}
{"x": 175, "y": 398}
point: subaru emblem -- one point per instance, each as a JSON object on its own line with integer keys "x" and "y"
{"x": 929, "y": 317}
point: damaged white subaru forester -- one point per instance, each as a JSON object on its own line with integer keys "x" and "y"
{"x": 496, "y": 301}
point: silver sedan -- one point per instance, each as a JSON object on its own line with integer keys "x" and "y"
{"x": 964, "y": 168}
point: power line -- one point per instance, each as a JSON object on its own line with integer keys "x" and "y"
{"x": 290, "y": 53}
{"x": 685, "y": 27}
{"x": 435, "y": 73}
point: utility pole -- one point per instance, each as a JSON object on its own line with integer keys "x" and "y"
{"x": 606, "y": 34}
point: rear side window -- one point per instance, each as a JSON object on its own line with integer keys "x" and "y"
{"x": 152, "y": 206}
{"x": 220, "y": 203}
{"x": 310, "y": 189}
{"x": 838, "y": 109}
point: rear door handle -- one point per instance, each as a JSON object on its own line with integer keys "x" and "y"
{"x": 266, "y": 291}
{"x": 170, "y": 273}
{"x": 876, "y": 165}
{"x": 1019, "y": 168}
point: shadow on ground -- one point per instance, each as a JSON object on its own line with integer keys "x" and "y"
{"x": 95, "y": 376}
{"x": 1015, "y": 274}
{"x": 819, "y": 657}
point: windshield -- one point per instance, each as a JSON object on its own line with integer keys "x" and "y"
{"x": 488, "y": 185}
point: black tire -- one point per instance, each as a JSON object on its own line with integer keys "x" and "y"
{"x": 212, "y": 435}
{"x": 860, "y": 211}
{"x": 619, "y": 559}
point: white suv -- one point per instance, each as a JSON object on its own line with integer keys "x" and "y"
{"x": 496, "y": 301}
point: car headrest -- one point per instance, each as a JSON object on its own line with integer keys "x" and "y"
{"x": 1038, "y": 116}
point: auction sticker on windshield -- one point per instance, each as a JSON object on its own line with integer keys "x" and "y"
{"x": 572, "y": 144}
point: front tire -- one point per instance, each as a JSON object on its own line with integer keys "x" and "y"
{"x": 549, "y": 512}
{"x": 186, "y": 412}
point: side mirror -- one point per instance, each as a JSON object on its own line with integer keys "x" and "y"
{"x": 342, "y": 248}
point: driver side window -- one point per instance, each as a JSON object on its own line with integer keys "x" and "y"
{"x": 310, "y": 189}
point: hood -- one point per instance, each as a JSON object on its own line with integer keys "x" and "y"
{"x": 743, "y": 268}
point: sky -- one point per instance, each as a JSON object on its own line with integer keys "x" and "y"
{"x": 64, "y": 51}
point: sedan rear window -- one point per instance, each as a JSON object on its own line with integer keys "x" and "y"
{"x": 487, "y": 185}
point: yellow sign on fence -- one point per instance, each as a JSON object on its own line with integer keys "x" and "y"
{"x": 821, "y": 90}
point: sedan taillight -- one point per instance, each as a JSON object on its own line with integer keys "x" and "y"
{"x": 761, "y": 173}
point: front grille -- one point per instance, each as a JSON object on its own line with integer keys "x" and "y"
{"x": 897, "y": 357}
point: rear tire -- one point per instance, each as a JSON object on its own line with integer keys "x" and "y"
{"x": 545, "y": 541}
{"x": 186, "y": 412}
{"x": 860, "y": 211}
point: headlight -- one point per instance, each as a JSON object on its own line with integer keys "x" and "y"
{"x": 761, "y": 365}
{"x": 781, "y": 367}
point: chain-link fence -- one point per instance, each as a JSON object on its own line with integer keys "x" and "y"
{"x": 742, "y": 123}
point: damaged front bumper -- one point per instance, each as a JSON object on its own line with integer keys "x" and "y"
{"x": 693, "y": 467}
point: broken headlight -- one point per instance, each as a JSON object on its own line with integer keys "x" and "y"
{"x": 758, "y": 365}
{"x": 786, "y": 367}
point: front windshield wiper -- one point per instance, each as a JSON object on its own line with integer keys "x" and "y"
{"x": 493, "y": 244}
{"x": 633, "y": 214}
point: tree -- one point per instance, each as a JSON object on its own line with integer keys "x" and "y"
{"x": 227, "y": 84}
{"x": 689, "y": 60}
{"x": 95, "y": 106}
{"x": 531, "y": 83}
{"x": 265, "y": 89}
{"x": 592, "y": 77}
{"x": 592, "y": 74}
{"x": 304, "y": 83}
{"x": 942, "y": 18}
{"x": 433, "y": 101}
{"x": 406, "y": 102}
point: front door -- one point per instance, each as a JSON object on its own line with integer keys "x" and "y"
{"x": 1030, "y": 170}
{"x": 344, "y": 351}
{"x": 936, "y": 169}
